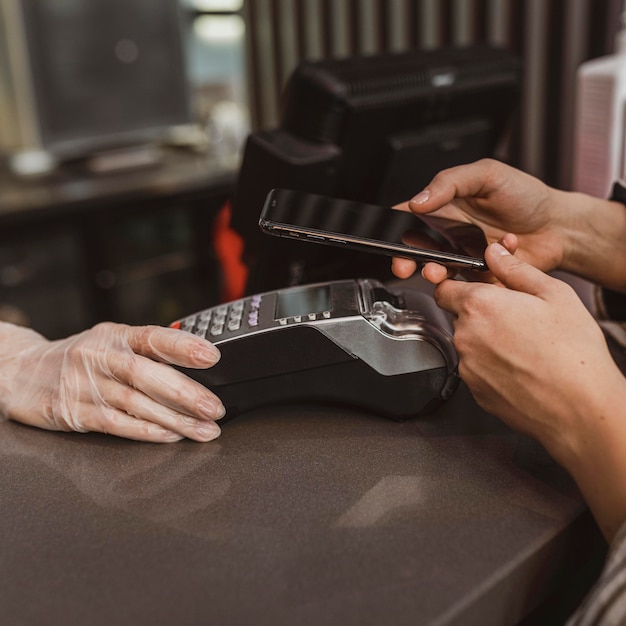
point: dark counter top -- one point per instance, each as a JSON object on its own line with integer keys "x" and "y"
{"x": 294, "y": 516}
{"x": 73, "y": 187}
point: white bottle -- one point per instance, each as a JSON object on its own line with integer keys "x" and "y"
{"x": 600, "y": 124}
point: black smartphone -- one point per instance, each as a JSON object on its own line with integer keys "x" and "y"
{"x": 372, "y": 228}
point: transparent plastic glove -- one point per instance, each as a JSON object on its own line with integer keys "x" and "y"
{"x": 113, "y": 379}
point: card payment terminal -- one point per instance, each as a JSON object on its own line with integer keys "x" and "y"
{"x": 350, "y": 342}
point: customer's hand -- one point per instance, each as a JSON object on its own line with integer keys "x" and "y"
{"x": 522, "y": 340}
{"x": 112, "y": 378}
{"x": 500, "y": 200}
{"x": 532, "y": 354}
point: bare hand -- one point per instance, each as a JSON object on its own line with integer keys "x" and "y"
{"x": 521, "y": 340}
{"x": 500, "y": 200}
{"x": 532, "y": 355}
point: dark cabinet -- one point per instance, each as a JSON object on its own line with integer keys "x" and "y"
{"x": 133, "y": 247}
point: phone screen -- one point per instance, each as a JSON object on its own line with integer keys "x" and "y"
{"x": 382, "y": 230}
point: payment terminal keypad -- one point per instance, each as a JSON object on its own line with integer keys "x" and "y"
{"x": 213, "y": 323}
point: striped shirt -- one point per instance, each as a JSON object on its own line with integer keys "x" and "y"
{"x": 605, "y": 605}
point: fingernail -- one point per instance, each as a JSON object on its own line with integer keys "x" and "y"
{"x": 212, "y": 410}
{"x": 207, "y": 354}
{"x": 499, "y": 249}
{"x": 421, "y": 197}
{"x": 209, "y": 431}
{"x": 220, "y": 411}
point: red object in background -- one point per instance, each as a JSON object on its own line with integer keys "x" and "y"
{"x": 228, "y": 246}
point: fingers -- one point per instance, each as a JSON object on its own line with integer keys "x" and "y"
{"x": 117, "y": 422}
{"x": 435, "y": 273}
{"x": 507, "y": 270}
{"x": 165, "y": 385}
{"x": 115, "y": 407}
{"x": 451, "y": 295}
{"x": 117, "y": 402}
{"x": 510, "y": 242}
{"x": 403, "y": 206}
{"x": 471, "y": 180}
{"x": 172, "y": 346}
{"x": 432, "y": 272}
{"x": 403, "y": 268}
{"x": 513, "y": 273}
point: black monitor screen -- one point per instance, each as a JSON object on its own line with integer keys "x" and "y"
{"x": 105, "y": 71}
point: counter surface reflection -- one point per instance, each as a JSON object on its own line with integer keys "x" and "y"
{"x": 294, "y": 516}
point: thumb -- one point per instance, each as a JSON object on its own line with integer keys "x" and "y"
{"x": 513, "y": 273}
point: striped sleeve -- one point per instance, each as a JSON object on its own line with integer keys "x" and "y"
{"x": 605, "y": 605}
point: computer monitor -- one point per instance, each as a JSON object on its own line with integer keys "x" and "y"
{"x": 374, "y": 129}
{"x": 80, "y": 76}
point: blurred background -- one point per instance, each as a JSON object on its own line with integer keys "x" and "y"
{"x": 123, "y": 125}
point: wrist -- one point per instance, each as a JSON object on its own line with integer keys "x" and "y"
{"x": 594, "y": 236}
{"x": 591, "y": 417}
{"x": 17, "y": 344}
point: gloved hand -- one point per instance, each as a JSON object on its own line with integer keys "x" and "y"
{"x": 113, "y": 379}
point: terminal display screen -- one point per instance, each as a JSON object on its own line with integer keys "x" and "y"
{"x": 303, "y": 301}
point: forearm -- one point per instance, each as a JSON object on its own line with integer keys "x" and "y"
{"x": 593, "y": 450}
{"x": 595, "y": 240}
